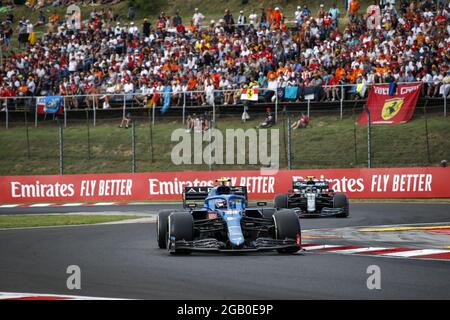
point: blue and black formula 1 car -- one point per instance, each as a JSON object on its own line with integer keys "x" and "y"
{"x": 226, "y": 224}
{"x": 311, "y": 198}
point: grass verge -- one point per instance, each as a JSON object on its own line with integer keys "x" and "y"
{"x": 27, "y": 221}
{"x": 329, "y": 142}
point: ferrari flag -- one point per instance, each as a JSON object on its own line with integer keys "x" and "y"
{"x": 391, "y": 105}
{"x": 249, "y": 94}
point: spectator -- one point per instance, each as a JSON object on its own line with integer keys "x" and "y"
{"x": 269, "y": 121}
{"x": 176, "y": 20}
{"x": 353, "y": 10}
{"x": 131, "y": 12}
{"x": 126, "y": 119}
{"x": 313, "y": 55}
{"x": 253, "y": 19}
{"x": 197, "y": 18}
{"x": 242, "y": 20}
{"x": 302, "y": 122}
{"x": 335, "y": 15}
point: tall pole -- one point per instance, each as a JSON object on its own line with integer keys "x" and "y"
{"x": 27, "y": 135}
{"x": 150, "y": 132}
{"x": 94, "y": 105}
{"x": 61, "y": 149}
{"x": 354, "y": 135}
{"x": 276, "y": 106}
{"x": 7, "y": 114}
{"x": 369, "y": 142}
{"x": 35, "y": 115}
{"x": 88, "y": 135}
{"x": 289, "y": 150}
{"x": 65, "y": 113}
{"x": 284, "y": 135}
{"x": 426, "y": 132}
{"x": 133, "y": 148}
{"x": 184, "y": 106}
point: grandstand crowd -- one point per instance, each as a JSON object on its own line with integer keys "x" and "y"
{"x": 264, "y": 48}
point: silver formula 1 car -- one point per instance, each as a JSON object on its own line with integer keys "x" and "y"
{"x": 311, "y": 198}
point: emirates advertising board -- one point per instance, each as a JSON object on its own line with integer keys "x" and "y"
{"x": 420, "y": 182}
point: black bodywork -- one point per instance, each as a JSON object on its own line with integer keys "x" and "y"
{"x": 314, "y": 199}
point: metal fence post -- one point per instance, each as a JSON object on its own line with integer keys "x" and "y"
{"x": 27, "y": 135}
{"x": 342, "y": 99}
{"x": 7, "y": 114}
{"x": 426, "y": 133}
{"x": 289, "y": 138}
{"x": 369, "y": 138}
{"x": 61, "y": 149}
{"x": 209, "y": 140}
{"x": 276, "y": 106}
{"x": 65, "y": 113}
{"x": 133, "y": 147}
{"x": 150, "y": 132}
{"x": 214, "y": 108}
{"x": 184, "y": 107}
{"x": 124, "y": 103}
{"x": 445, "y": 104}
{"x": 35, "y": 115}
{"x": 88, "y": 135}
{"x": 309, "y": 101}
{"x": 354, "y": 135}
{"x": 153, "y": 113}
{"x": 94, "y": 106}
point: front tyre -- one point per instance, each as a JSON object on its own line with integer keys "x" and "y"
{"x": 287, "y": 226}
{"x": 180, "y": 227}
{"x": 161, "y": 228}
{"x": 341, "y": 201}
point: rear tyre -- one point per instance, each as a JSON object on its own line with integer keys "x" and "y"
{"x": 281, "y": 201}
{"x": 287, "y": 226}
{"x": 341, "y": 201}
{"x": 180, "y": 227}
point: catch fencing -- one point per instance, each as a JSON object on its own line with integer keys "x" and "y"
{"x": 89, "y": 140}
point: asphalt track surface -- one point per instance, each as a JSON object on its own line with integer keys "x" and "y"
{"x": 123, "y": 261}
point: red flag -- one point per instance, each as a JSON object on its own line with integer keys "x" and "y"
{"x": 391, "y": 109}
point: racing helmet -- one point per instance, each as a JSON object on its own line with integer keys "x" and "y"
{"x": 221, "y": 204}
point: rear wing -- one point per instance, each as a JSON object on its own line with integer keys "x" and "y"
{"x": 299, "y": 185}
{"x": 197, "y": 195}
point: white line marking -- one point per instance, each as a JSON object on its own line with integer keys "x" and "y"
{"x": 358, "y": 250}
{"x": 103, "y": 203}
{"x": 38, "y": 205}
{"x": 73, "y": 204}
{"x": 415, "y": 253}
{"x": 14, "y": 295}
{"x": 325, "y": 246}
{"x": 9, "y": 205}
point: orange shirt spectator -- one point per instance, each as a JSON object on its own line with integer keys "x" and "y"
{"x": 271, "y": 75}
{"x": 354, "y": 7}
{"x": 23, "y": 89}
{"x": 55, "y": 17}
{"x": 192, "y": 83}
{"x": 340, "y": 72}
{"x": 355, "y": 73}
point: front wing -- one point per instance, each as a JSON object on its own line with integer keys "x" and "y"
{"x": 325, "y": 212}
{"x": 213, "y": 245}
